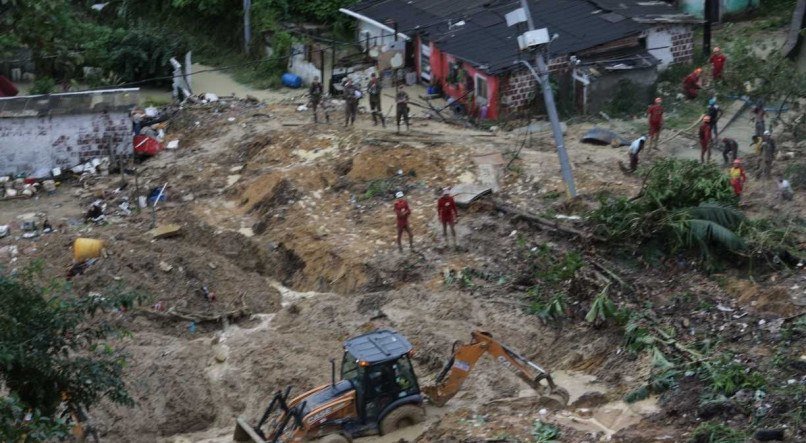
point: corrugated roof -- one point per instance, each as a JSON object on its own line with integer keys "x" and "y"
{"x": 646, "y": 10}
{"x": 485, "y": 40}
{"x": 109, "y": 100}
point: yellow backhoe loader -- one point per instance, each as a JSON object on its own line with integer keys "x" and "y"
{"x": 378, "y": 392}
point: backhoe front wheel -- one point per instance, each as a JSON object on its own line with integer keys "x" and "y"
{"x": 402, "y": 417}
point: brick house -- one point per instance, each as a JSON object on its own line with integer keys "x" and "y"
{"x": 467, "y": 49}
{"x": 41, "y": 132}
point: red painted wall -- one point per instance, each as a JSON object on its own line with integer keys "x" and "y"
{"x": 440, "y": 63}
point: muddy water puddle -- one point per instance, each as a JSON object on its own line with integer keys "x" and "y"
{"x": 608, "y": 418}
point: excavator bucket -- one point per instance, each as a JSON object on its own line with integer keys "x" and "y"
{"x": 245, "y": 432}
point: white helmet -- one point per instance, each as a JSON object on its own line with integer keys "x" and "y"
{"x": 399, "y": 194}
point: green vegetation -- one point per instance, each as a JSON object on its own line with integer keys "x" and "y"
{"x": 54, "y": 352}
{"x": 544, "y": 432}
{"x": 43, "y": 85}
{"x": 726, "y": 376}
{"x": 683, "y": 205}
{"x": 16, "y": 427}
{"x": 717, "y": 433}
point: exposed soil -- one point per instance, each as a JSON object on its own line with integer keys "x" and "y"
{"x": 291, "y": 228}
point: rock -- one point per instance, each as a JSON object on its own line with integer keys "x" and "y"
{"x": 585, "y": 412}
{"x": 769, "y": 435}
{"x": 165, "y": 231}
{"x": 165, "y": 267}
{"x": 589, "y": 400}
{"x": 188, "y": 198}
{"x": 221, "y": 355}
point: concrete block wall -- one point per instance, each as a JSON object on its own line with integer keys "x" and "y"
{"x": 682, "y": 43}
{"x": 28, "y": 144}
{"x": 521, "y": 85}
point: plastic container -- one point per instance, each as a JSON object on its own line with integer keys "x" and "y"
{"x": 291, "y": 80}
{"x": 87, "y": 248}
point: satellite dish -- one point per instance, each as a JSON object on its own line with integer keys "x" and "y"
{"x": 396, "y": 61}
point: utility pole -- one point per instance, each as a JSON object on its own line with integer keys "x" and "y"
{"x": 707, "y": 12}
{"x": 247, "y": 25}
{"x": 542, "y": 77}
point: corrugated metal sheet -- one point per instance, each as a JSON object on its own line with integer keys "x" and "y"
{"x": 69, "y": 103}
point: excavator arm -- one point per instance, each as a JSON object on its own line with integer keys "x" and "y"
{"x": 465, "y": 356}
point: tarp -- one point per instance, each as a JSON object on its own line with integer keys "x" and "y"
{"x": 601, "y": 136}
{"x": 145, "y": 145}
{"x": 7, "y": 89}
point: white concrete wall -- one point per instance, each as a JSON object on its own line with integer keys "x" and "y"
{"x": 671, "y": 43}
{"x": 375, "y": 34}
{"x": 31, "y": 143}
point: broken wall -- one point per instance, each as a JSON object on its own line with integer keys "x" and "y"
{"x": 29, "y": 144}
{"x": 671, "y": 44}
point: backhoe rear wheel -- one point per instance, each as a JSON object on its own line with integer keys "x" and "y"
{"x": 402, "y": 417}
{"x": 333, "y": 438}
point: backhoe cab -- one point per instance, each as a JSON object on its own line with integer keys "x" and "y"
{"x": 378, "y": 391}
{"x": 377, "y": 394}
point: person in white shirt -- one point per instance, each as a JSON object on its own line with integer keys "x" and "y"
{"x": 785, "y": 189}
{"x": 635, "y": 148}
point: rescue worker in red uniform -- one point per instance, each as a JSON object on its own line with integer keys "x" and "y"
{"x": 717, "y": 60}
{"x": 655, "y": 114}
{"x": 705, "y": 139}
{"x": 692, "y": 84}
{"x": 446, "y": 209}
{"x": 402, "y": 212}
{"x": 737, "y": 177}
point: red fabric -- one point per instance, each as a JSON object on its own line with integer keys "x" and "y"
{"x": 146, "y": 145}
{"x": 691, "y": 85}
{"x": 717, "y": 64}
{"x": 7, "y": 89}
{"x": 402, "y": 212}
{"x": 655, "y": 113}
{"x": 446, "y": 207}
{"x": 738, "y": 186}
{"x": 654, "y": 129}
{"x": 705, "y": 135}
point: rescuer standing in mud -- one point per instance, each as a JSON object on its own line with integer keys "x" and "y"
{"x": 705, "y": 139}
{"x": 402, "y": 100}
{"x": 717, "y": 60}
{"x": 374, "y": 92}
{"x": 737, "y": 177}
{"x": 315, "y": 92}
{"x": 446, "y": 209}
{"x": 402, "y": 212}
{"x": 351, "y": 96}
{"x": 730, "y": 150}
{"x": 692, "y": 84}
{"x": 655, "y": 114}
{"x": 768, "y": 149}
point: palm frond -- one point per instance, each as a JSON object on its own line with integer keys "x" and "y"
{"x": 702, "y": 232}
{"x": 726, "y": 216}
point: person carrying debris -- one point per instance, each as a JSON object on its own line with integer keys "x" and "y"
{"x": 635, "y": 148}
{"x": 768, "y": 149}
{"x": 315, "y": 93}
{"x": 785, "y": 189}
{"x": 374, "y": 91}
{"x": 717, "y": 60}
{"x": 351, "y": 96}
{"x": 655, "y": 114}
{"x": 402, "y": 101}
{"x": 730, "y": 150}
{"x": 705, "y": 139}
{"x": 758, "y": 117}
{"x": 446, "y": 209}
{"x": 692, "y": 84}
{"x": 737, "y": 177}
{"x": 715, "y": 113}
{"x": 402, "y": 212}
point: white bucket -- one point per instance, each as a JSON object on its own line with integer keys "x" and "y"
{"x": 142, "y": 202}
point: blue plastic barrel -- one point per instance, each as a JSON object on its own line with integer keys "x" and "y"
{"x": 291, "y": 80}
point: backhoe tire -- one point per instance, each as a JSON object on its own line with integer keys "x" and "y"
{"x": 402, "y": 417}
{"x": 333, "y": 438}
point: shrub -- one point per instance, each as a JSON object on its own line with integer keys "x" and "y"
{"x": 43, "y": 85}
